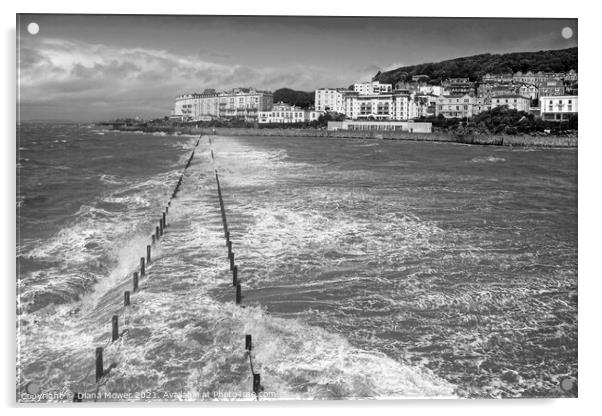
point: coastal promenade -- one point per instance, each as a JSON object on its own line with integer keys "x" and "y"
{"x": 519, "y": 140}
{"x": 491, "y": 140}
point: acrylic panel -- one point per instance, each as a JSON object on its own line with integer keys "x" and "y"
{"x": 216, "y": 208}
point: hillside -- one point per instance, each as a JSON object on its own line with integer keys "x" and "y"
{"x": 474, "y": 67}
{"x": 299, "y": 98}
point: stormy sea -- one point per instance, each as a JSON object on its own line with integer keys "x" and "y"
{"x": 369, "y": 268}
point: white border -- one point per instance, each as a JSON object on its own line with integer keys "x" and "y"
{"x": 589, "y": 177}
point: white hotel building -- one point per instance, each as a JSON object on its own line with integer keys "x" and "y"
{"x": 368, "y": 101}
{"x": 391, "y": 106}
{"x": 333, "y": 99}
{"x": 283, "y": 113}
{"x": 560, "y": 107}
{"x": 243, "y": 103}
{"x": 330, "y": 99}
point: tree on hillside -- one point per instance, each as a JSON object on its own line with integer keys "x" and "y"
{"x": 299, "y": 98}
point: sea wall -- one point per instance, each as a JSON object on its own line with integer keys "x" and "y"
{"x": 491, "y": 140}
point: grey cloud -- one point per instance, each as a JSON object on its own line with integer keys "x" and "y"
{"x": 97, "y": 81}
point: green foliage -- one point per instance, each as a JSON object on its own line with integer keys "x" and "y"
{"x": 299, "y": 98}
{"x": 501, "y": 120}
{"x": 474, "y": 67}
{"x": 326, "y": 117}
{"x": 442, "y": 123}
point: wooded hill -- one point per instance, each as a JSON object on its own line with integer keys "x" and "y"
{"x": 299, "y": 98}
{"x": 474, "y": 67}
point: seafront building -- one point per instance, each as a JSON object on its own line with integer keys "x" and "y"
{"x": 330, "y": 99}
{"x": 241, "y": 103}
{"x": 558, "y": 108}
{"x": 388, "y": 106}
{"x": 283, "y": 113}
{"x": 461, "y": 106}
{"x": 512, "y": 101}
{"x": 195, "y": 106}
{"x": 370, "y": 101}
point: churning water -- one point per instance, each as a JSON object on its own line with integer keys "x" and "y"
{"x": 369, "y": 268}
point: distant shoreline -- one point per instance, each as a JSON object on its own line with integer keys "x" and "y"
{"x": 485, "y": 140}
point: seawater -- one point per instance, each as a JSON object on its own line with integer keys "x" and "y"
{"x": 370, "y": 268}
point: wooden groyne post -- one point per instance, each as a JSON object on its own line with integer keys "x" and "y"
{"x": 238, "y": 294}
{"x": 256, "y": 384}
{"x": 135, "y": 281}
{"x": 115, "y": 324}
{"x": 248, "y": 342}
{"x": 99, "y": 364}
{"x": 231, "y": 256}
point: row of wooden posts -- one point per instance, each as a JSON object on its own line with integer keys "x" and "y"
{"x": 257, "y": 388}
{"x": 233, "y": 266}
{"x": 144, "y": 261}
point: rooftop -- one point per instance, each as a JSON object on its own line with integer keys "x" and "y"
{"x": 455, "y": 96}
{"x": 510, "y": 96}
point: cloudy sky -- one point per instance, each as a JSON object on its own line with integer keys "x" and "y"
{"x": 94, "y": 67}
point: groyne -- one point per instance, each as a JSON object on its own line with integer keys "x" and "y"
{"x": 481, "y": 139}
{"x": 236, "y": 282}
{"x": 103, "y": 372}
{"x": 88, "y": 390}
